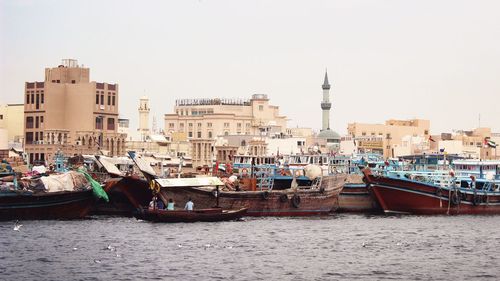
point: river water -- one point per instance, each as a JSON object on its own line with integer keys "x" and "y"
{"x": 336, "y": 247}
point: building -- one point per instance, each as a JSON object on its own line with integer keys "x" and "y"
{"x": 12, "y": 120}
{"x": 470, "y": 144}
{"x": 391, "y": 139}
{"x": 209, "y": 118}
{"x": 68, "y": 112}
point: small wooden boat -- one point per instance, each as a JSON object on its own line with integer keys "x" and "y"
{"x": 200, "y": 215}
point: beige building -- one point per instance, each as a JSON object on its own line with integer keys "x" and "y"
{"x": 209, "y": 118}
{"x": 70, "y": 113}
{"x": 467, "y": 143}
{"x": 388, "y": 138}
{"x": 12, "y": 120}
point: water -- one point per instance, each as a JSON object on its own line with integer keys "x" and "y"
{"x": 338, "y": 247}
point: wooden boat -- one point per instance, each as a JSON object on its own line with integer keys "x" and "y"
{"x": 301, "y": 201}
{"x": 24, "y": 205}
{"x": 197, "y": 215}
{"x": 404, "y": 195}
{"x": 356, "y": 198}
{"x": 319, "y": 198}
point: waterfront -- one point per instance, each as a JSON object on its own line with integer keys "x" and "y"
{"x": 340, "y": 246}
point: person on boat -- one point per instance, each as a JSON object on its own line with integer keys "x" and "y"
{"x": 170, "y": 205}
{"x": 160, "y": 205}
{"x": 189, "y": 205}
{"x": 152, "y": 204}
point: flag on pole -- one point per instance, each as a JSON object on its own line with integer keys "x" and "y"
{"x": 489, "y": 143}
{"x": 431, "y": 139}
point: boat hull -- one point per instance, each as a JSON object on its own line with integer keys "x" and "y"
{"x": 356, "y": 197}
{"x": 412, "y": 197}
{"x": 46, "y": 206}
{"x": 318, "y": 201}
{"x": 199, "y": 215}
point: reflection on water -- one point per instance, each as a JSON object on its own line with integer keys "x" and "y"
{"x": 325, "y": 248}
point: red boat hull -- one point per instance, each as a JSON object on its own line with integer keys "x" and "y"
{"x": 406, "y": 196}
{"x": 46, "y": 206}
{"x": 318, "y": 201}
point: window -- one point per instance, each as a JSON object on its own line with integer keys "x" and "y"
{"x": 209, "y": 125}
{"x": 29, "y": 122}
{"x": 238, "y": 125}
{"x": 111, "y": 123}
{"x": 109, "y": 100}
{"x": 182, "y": 125}
{"x": 171, "y": 125}
{"x": 42, "y": 98}
{"x": 97, "y": 98}
{"x": 98, "y": 122}
{"x": 363, "y": 133}
{"x": 37, "y": 101}
{"x": 73, "y": 81}
{"x": 199, "y": 125}
{"x": 226, "y": 133}
{"x": 209, "y": 134}
{"x": 27, "y": 98}
{"x": 37, "y": 122}
{"x": 226, "y": 125}
{"x": 58, "y": 81}
{"x": 1, "y": 117}
{"x": 247, "y": 125}
{"x": 41, "y": 120}
{"x": 388, "y": 136}
{"x": 199, "y": 135}
{"x": 190, "y": 134}
{"x": 190, "y": 125}
{"x": 113, "y": 101}
{"x": 32, "y": 98}
{"x": 261, "y": 107}
{"x": 29, "y": 137}
{"x": 102, "y": 99}
{"x": 426, "y": 132}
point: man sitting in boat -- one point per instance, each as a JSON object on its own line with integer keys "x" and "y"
{"x": 160, "y": 205}
{"x": 170, "y": 205}
{"x": 189, "y": 205}
{"x": 152, "y": 204}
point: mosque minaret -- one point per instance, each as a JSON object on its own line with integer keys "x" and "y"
{"x": 326, "y": 104}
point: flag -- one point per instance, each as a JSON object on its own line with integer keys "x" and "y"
{"x": 491, "y": 143}
{"x": 431, "y": 139}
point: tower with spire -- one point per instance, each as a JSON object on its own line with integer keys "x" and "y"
{"x": 144, "y": 117}
{"x": 329, "y": 136}
{"x": 326, "y": 104}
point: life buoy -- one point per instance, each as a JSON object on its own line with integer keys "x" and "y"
{"x": 283, "y": 198}
{"x": 476, "y": 199}
{"x": 297, "y": 173}
{"x": 265, "y": 195}
{"x": 244, "y": 171}
{"x": 455, "y": 198}
{"x": 296, "y": 200}
{"x": 282, "y": 172}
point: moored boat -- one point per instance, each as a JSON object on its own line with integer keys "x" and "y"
{"x": 451, "y": 196}
{"x": 196, "y": 215}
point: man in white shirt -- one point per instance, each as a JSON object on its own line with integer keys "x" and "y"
{"x": 189, "y": 205}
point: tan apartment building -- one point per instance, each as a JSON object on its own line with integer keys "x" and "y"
{"x": 209, "y": 118}
{"x": 467, "y": 143}
{"x": 388, "y": 137}
{"x": 12, "y": 120}
{"x": 68, "y": 112}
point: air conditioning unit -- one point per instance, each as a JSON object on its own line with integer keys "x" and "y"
{"x": 78, "y": 142}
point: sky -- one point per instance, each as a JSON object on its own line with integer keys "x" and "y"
{"x": 428, "y": 59}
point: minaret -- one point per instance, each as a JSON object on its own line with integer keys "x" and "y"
{"x": 144, "y": 117}
{"x": 326, "y": 104}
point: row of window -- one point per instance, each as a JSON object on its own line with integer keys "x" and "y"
{"x": 36, "y": 98}
{"x": 99, "y": 98}
{"x": 99, "y": 123}
{"x": 34, "y": 137}
{"x": 196, "y": 112}
{"x": 209, "y": 125}
{"x": 34, "y": 122}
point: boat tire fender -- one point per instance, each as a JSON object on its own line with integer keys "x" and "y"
{"x": 265, "y": 195}
{"x": 296, "y": 201}
{"x": 322, "y": 189}
{"x": 476, "y": 199}
{"x": 283, "y": 198}
{"x": 455, "y": 198}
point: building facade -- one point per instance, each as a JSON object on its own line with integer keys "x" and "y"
{"x": 68, "y": 112}
{"x": 209, "y": 118}
{"x": 391, "y": 138}
{"x": 12, "y": 120}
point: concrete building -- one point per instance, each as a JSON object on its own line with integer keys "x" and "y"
{"x": 12, "y": 120}
{"x": 469, "y": 144}
{"x": 388, "y": 138}
{"x": 68, "y": 112}
{"x": 209, "y": 118}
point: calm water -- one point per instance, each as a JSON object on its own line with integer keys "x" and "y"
{"x": 339, "y": 247}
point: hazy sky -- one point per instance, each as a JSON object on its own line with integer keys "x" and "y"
{"x": 437, "y": 60}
